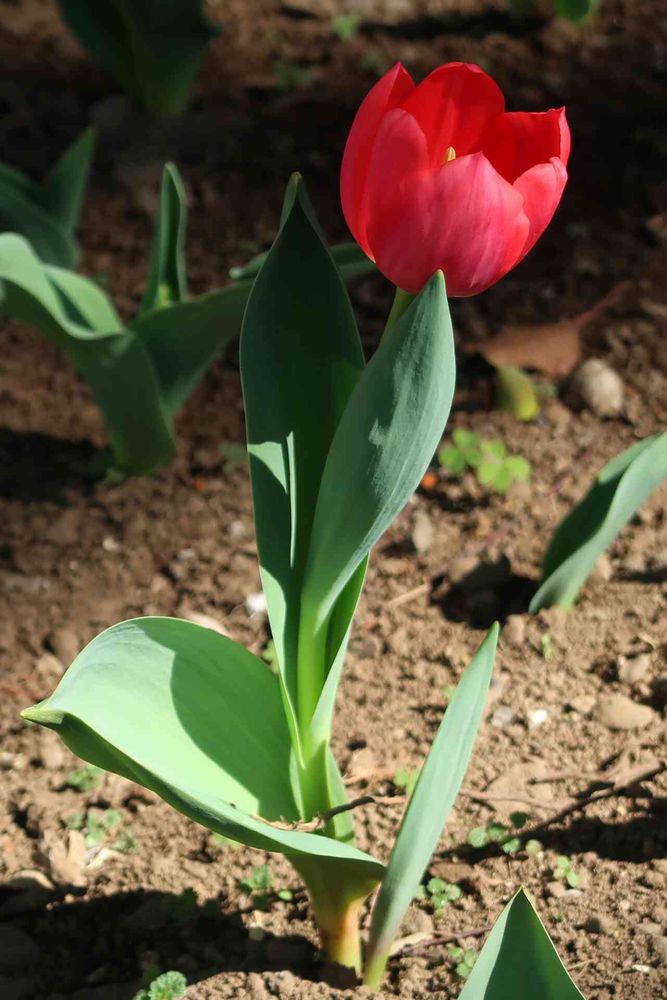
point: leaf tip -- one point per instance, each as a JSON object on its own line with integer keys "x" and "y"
{"x": 43, "y": 715}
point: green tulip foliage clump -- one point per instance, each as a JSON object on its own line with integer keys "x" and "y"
{"x": 337, "y": 446}
{"x": 140, "y": 372}
{"x": 47, "y": 214}
{"x": 152, "y": 47}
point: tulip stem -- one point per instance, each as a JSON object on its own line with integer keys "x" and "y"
{"x": 401, "y": 302}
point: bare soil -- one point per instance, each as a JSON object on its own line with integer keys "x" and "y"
{"x": 277, "y": 92}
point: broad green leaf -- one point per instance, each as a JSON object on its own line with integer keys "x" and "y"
{"x": 166, "y": 283}
{"x": 153, "y": 48}
{"x": 620, "y": 489}
{"x": 184, "y": 339}
{"x": 198, "y": 719}
{"x": 47, "y": 214}
{"x": 75, "y": 315}
{"x": 430, "y": 805}
{"x": 385, "y": 440}
{"x": 518, "y": 960}
{"x": 300, "y": 357}
{"x": 349, "y": 258}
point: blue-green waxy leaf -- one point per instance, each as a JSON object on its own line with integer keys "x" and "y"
{"x": 518, "y": 960}
{"x": 198, "y": 719}
{"x": 166, "y": 283}
{"x": 151, "y": 47}
{"x": 300, "y": 358}
{"x": 384, "y": 442}
{"x": 619, "y": 490}
{"x": 429, "y": 807}
{"x": 47, "y": 214}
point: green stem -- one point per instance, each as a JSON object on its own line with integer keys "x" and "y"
{"x": 374, "y": 971}
{"x": 336, "y": 903}
{"x": 401, "y": 302}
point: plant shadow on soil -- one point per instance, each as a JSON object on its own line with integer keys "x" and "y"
{"x": 117, "y": 935}
{"x": 36, "y": 466}
{"x": 489, "y": 592}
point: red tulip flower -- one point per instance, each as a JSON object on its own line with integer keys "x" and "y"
{"x": 440, "y": 177}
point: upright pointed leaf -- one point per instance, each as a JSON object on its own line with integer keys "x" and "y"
{"x": 384, "y": 442}
{"x": 620, "y": 489}
{"x": 518, "y": 960}
{"x": 430, "y": 805}
{"x": 166, "y": 283}
{"x": 153, "y": 48}
{"x": 65, "y": 185}
{"x": 300, "y": 358}
{"x": 198, "y": 719}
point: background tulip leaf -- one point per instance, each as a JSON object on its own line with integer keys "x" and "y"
{"x": 184, "y": 339}
{"x": 166, "y": 283}
{"x": 300, "y": 357}
{"x": 620, "y": 489}
{"x": 151, "y": 47}
{"x": 518, "y": 960}
{"x": 349, "y": 258}
{"x": 47, "y": 214}
{"x": 384, "y": 442}
{"x": 430, "y": 804}
{"x": 198, "y": 719}
{"x": 76, "y": 315}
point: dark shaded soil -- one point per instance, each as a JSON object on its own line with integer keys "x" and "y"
{"x": 77, "y": 555}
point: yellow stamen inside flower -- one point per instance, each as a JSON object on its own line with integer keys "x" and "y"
{"x": 450, "y": 154}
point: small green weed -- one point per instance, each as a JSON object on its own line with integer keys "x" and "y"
{"x": 493, "y": 467}
{"x": 234, "y": 455}
{"x": 346, "y": 26}
{"x": 497, "y": 833}
{"x": 439, "y": 894}
{"x": 547, "y": 646}
{"x": 465, "y": 959}
{"x": 168, "y": 986}
{"x": 85, "y": 779}
{"x": 565, "y": 871}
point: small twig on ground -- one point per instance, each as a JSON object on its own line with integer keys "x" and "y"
{"x": 525, "y": 800}
{"x": 410, "y": 595}
{"x": 443, "y": 939}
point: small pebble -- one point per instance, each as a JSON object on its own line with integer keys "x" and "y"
{"x": 599, "y": 387}
{"x": 422, "y": 532}
{"x": 514, "y": 630}
{"x": 255, "y": 604}
{"x": 502, "y": 716}
{"x": 537, "y": 718}
{"x": 617, "y": 712}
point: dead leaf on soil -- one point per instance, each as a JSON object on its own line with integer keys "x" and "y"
{"x": 554, "y": 349}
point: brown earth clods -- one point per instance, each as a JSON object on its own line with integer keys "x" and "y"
{"x": 578, "y": 701}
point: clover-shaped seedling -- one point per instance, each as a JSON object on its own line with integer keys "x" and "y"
{"x": 489, "y": 459}
{"x": 439, "y": 894}
{"x": 168, "y": 986}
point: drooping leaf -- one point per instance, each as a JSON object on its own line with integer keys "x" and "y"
{"x": 166, "y": 283}
{"x": 153, "y": 48}
{"x": 300, "y": 357}
{"x": 76, "y": 315}
{"x": 437, "y": 787}
{"x": 518, "y": 960}
{"x": 620, "y": 489}
{"x": 198, "y": 719}
{"x": 47, "y": 214}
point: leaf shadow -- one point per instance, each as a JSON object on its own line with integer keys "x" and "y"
{"x": 35, "y": 466}
{"x": 487, "y": 593}
{"x": 102, "y": 942}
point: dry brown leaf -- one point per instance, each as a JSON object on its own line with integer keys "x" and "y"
{"x": 553, "y": 348}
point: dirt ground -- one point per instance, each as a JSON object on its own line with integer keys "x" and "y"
{"x": 277, "y": 92}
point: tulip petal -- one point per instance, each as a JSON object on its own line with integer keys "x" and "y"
{"x": 542, "y": 187}
{"x": 519, "y": 140}
{"x": 387, "y": 93}
{"x": 454, "y": 105}
{"x": 463, "y": 219}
